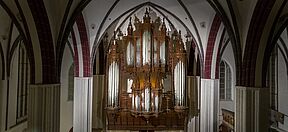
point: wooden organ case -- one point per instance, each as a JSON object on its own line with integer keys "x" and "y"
{"x": 146, "y": 78}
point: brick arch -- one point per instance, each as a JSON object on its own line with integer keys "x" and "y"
{"x": 210, "y": 46}
{"x": 81, "y": 48}
{"x": 84, "y": 45}
{"x": 66, "y": 29}
{"x": 231, "y": 26}
{"x": 42, "y": 25}
{"x": 257, "y": 24}
{"x": 75, "y": 58}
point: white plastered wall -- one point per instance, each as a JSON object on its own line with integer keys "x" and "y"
{"x": 12, "y": 126}
{"x": 12, "y": 102}
{"x": 228, "y": 56}
{"x": 282, "y": 90}
{"x": 66, "y": 107}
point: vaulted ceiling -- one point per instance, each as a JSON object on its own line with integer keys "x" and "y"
{"x": 184, "y": 15}
{"x": 46, "y": 24}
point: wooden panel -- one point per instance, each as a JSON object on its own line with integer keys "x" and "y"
{"x": 166, "y": 121}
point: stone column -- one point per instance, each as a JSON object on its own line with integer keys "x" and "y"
{"x": 44, "y": 108}
{"x": 82, "y": 119}
{"x": 252, "y": 109}
{"x": 209, "y": 105}
{"x": 98, "y": 116}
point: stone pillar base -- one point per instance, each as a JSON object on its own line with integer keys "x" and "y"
{"x": 209, "y": 105}
{"x": 82, "y": 114}
{"x": 44, "y": 108}
{"x": 252, "y": 109}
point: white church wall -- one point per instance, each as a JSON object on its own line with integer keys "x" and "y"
{"x": 228, "y": 56}
{"x": 13, "y": 82}
{"x": 282, "y": 90}
{"x": 12, "y": 125}
{"x": 1, "y": 93}
{"x": 66, "y": 107}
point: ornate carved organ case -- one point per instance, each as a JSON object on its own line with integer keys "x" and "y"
{"x": 146, "y": 78}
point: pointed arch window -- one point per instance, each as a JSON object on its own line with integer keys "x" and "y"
{"x": 225, "y": 81}
{"x": 23, "y": 81}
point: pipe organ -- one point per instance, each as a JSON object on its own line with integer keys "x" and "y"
{"x": 139, "y": 65}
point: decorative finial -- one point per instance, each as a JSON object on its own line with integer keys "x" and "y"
{"x": 163, "y": 24}
{"x": 146, "y": 12}
{"x": 146, "y": 17}
{"x": 130, "y": 28}
{"x": 130, "y": 19}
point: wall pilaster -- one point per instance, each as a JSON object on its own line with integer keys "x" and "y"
{"x": 209, "y": 105}
{"x": 82, "y": 119}
{"x": 252, "y": 109}
{"x": 44, "y": 108}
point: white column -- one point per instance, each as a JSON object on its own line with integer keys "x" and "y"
{"x": 209, "y": 105}
{"x": 44, "y": 108}
{"x": 82, "y": 119}
{"x": 98, "y": 116}
{"x": 252, "y": 109}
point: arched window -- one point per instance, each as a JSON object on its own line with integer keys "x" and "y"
{"x": 225, "y": 81}
{"x": 23, "y": 81}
